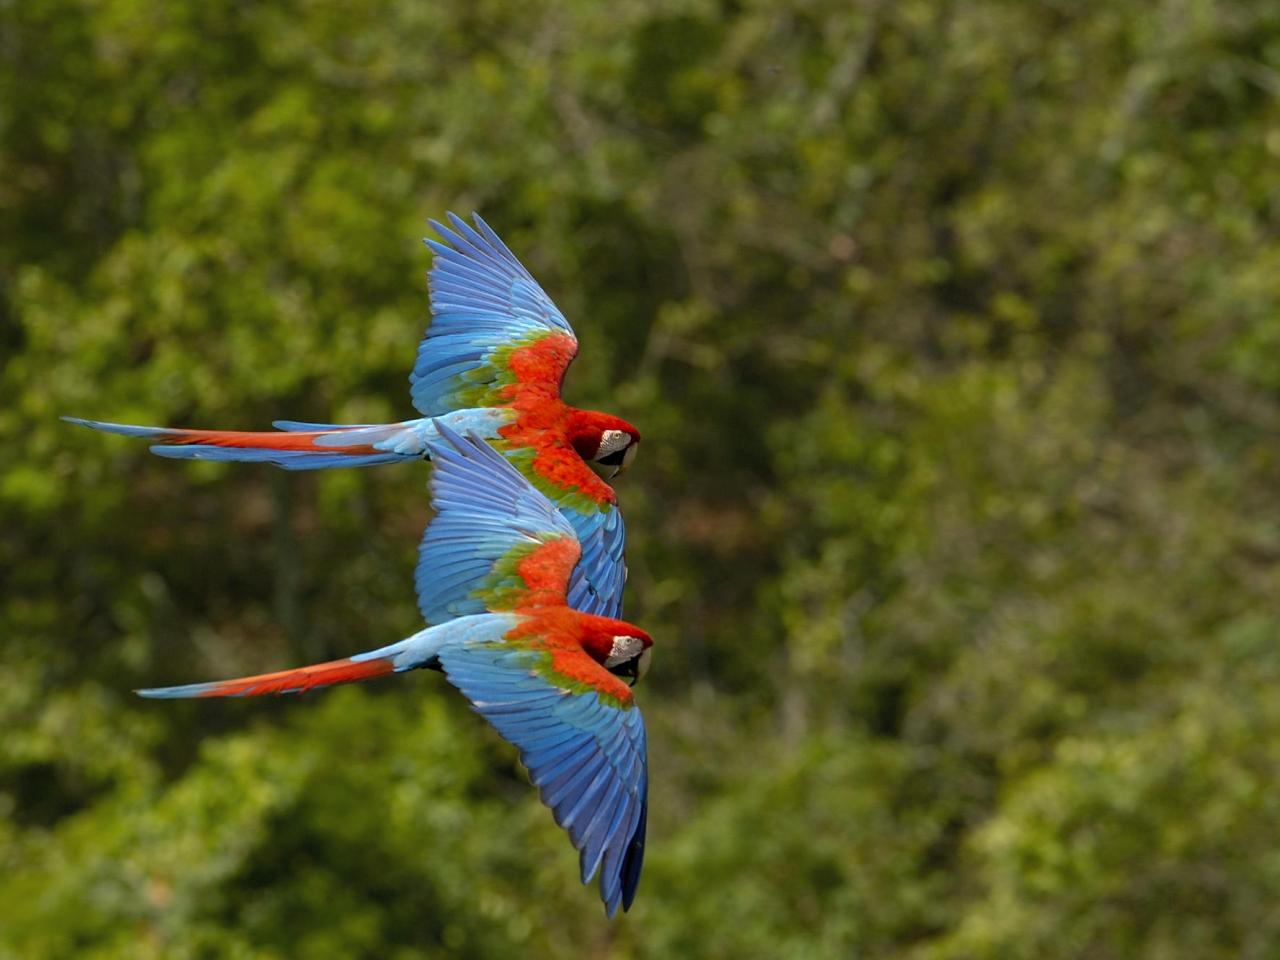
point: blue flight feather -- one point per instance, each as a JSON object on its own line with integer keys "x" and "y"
{"x": 598, "y": 580}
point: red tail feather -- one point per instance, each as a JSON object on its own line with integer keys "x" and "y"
{"x": 297, "y": 681}
{"x": 303, "y": 441}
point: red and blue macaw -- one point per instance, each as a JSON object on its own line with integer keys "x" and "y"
{"x": 491, "y": 364}
{"x": 493, "y": 576}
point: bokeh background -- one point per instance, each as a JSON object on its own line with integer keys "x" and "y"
{"x": 953, "y": 330}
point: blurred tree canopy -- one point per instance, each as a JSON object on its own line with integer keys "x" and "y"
{"x": 953, "y": 330}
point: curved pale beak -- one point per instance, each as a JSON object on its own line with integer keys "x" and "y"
{"x": 642, "y": 666}
{"x": 628, "y": 458}
{"x": 615, "y": 464}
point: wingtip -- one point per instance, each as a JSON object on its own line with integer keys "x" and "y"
{"x": 457, "y": 222}
{"x": 633, "y": 862}
{"x": 611, "y": 897}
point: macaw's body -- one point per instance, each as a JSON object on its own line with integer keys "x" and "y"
{"x": 491, "y": 364}
{"x": 494, "y": 568}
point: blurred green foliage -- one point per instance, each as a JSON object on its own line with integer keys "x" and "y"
{"x": 953, "y": 330}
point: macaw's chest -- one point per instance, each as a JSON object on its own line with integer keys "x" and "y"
{"x": 551, "y": 462}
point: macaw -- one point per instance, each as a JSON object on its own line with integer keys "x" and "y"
{"x": 493, "y": 573}
{"x": 491, "y": 363}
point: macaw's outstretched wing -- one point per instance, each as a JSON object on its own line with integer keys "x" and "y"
{"x": 492, "y": 328}
{"x": 495, "y": 542}
{"x": 582, "y": 739}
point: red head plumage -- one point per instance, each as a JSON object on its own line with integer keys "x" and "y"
{"x": 603, "y": 440}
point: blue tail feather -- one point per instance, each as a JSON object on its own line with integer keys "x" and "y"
{"x": 303, "y": 426}
{"x": 124, "y": 429}
{"x": 288, "y": 459}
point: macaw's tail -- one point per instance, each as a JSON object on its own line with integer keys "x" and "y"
{"x": 405, "y": 655}
{"x": 327, "y": 445}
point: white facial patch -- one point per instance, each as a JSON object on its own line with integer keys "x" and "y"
{"x": 612, "y": 441}
{"x": 624, "y": 649}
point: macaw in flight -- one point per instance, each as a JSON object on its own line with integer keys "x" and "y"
{"x": 491, "y": 364}
{"x": 493, "y": 573}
